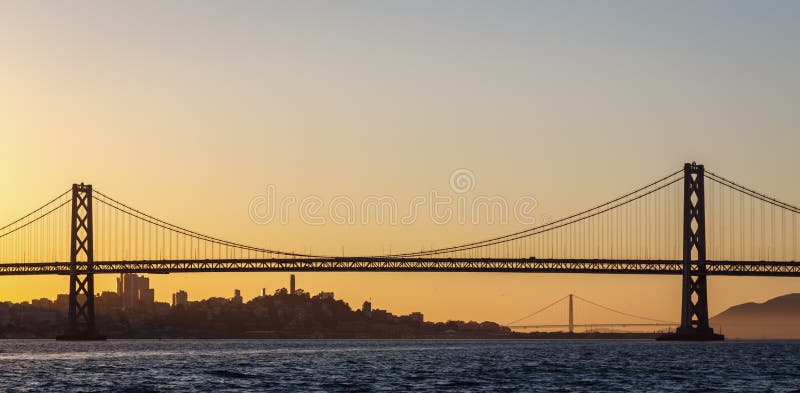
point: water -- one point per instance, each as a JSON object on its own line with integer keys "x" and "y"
{"x": 397, "y": 365}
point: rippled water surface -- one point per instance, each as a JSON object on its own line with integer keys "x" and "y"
{"x": 398, "y": 366}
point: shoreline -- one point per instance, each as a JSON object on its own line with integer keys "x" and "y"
{"x": 323, "y": 337}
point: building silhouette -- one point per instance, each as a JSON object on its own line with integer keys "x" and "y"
{"x": 291, "y": 284}
{"x": 134, "y": 290}
{"x": 416, "y": 317}
{"x": 180, "y": 298}
{"x": 237, "y": 296}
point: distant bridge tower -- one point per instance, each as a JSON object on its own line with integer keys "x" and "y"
{"x": 694, "y": 302}
{"x": 571, "y": 321}
{"x": 81, "y": 268}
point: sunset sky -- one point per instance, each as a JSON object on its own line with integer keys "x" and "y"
{"x": 190, "y": 110}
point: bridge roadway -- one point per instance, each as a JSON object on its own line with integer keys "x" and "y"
{"x": 378, "y": 264}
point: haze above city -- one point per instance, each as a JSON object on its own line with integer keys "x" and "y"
{"x": 192, "y": 114}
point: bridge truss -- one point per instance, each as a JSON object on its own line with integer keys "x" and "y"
{"x": 409, "y": 265}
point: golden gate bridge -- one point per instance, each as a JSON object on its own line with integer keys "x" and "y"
{"x": 679, "y": 224}
{"x": 571, "y": 325}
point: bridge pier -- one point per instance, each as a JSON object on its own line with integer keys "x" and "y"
{"x": 81, "y": 269}
{"x": 694, "y": 298}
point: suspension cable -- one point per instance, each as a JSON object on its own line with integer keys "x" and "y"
{"x": 186, "y": 232}
{"x": 621, "y": 312}
{"x": 517, "y": 235}
{"x": 538, "y": 311}
{"x": 536, "y": 230}
{"x": 35, "y": 219}
{"x": 755, "y": 194}
{"x": 39, "y": 208}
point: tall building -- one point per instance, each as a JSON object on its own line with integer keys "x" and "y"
{"x": 237, "y": 296}
{"x": 263, "y": 292}
{"x": 367, "y": 308}
{"x": 135, "y": 290}
{"x": 291, "y": 284}
{"x": 180, "y": 298}
{"x": 147, "y": 297}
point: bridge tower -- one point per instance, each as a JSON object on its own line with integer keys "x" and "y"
{"x": 81, "y": 268}
{"x": 694, "y": 302}
{"x": 571, "y": 320}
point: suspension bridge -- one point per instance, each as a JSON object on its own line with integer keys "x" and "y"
{"x": 691, "y": 222}
{"x": 571, "y": 325}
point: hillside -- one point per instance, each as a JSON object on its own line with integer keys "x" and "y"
{"x": 777, "y": 318}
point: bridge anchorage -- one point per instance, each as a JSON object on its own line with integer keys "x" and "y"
{"x": 727, "y": 230}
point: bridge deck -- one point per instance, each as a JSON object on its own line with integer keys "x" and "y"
{"x": 360, "y": 264}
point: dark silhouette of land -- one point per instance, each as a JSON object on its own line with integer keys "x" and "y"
{"x": 282, "y": 314}
{"x": 777, "y": 318}
{"x": 293, "y": 313}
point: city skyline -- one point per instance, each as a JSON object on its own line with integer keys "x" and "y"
{"x": 749, "y": 324}
{"x": 134, "y": 291}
